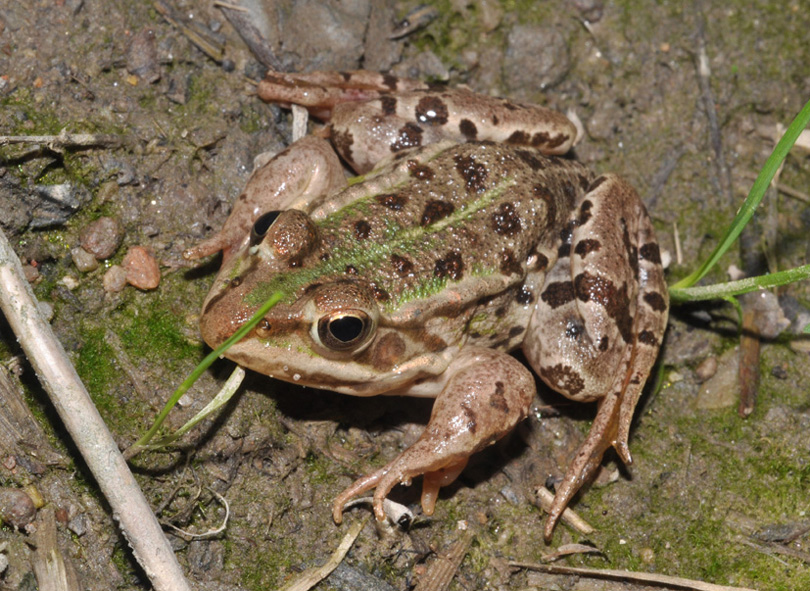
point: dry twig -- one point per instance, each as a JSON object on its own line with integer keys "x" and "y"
{"x": 443, "y": 569}
{"x": 85, "y": 425}
{"x": 626, "y": 576}
{"x": 313, "y": 576}
{"x": 66, "y": 140}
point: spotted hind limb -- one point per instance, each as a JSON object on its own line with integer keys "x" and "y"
{"x": 487, "y": 394}
{"x": 628, "y": 295}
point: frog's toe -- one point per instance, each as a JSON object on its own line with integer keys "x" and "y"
{"x": 358, "y": 487}
{"x": 433, "y": 481}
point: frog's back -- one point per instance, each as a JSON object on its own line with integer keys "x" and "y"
{"x": 464, "y": 223}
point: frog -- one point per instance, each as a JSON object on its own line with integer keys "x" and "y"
{"x": 466, "y": 234}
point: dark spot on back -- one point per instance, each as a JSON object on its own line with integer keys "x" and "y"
{"x": 468, "y": 129}
{"x": 563, "y": 379}
{"x": 630, "y": 248}
{"x": 362, "y": 229}
{"x": 648, "y": 338}
{"x": 390, "y": 81}
{"x": 656, "y": 301}
{"x": 509, "y": 265}
{"x": 603, "y": 292}
{"x": 516, "y": 331}
{"x": 519, "y": 138}
{"x": 542, "y": 138}
{"x": 542, "y": 262}
{"x": 419, "y": 171}
{"x": 597, "y": 181}
{"x": 505, "y": 220}
{"x": 388, "y": 104}
{"x": 650, "y": 252}
{"x": 495, "y": 120}
{"x": 379, "y": 293}
{"x": 524, "y": 296}
{"x": 451, "y": 266}
{"x": 410, "y": 136}
{"x": 603, "y": 344}
{"x": 584, "y": 212}
{"x": 402, "y": 266}
{"x": 393, "y": 201}
{"x": 587, "y": 246}
{"x": 474, "y": 173}
{"x": 431, "y": 110}
{"x": 435, "y": 210}
{"x": 558, "y": 293}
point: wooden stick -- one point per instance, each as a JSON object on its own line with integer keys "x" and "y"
{"x": 85, "y": 425}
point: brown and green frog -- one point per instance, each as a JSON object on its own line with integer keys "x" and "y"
{"x": 466, "y": 236}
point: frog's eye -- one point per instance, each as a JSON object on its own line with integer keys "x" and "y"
{"x": 261, "y": 225}
{"x": 345, "y": 330}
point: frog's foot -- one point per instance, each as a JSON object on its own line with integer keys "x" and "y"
{"x": 602, "y": 436}
{"x": 401, "y": 471}
{"x": 485, "y": 395}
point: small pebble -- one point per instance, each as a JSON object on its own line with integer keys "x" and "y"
{"x": 706, "y": 369}
{"x": 31, "y": 273}
{"x": 102, "y": 237}
{"x": 16, "y": 508}
{"x": 78, "y": 525}
{"x": 722, "y": 390}
{"x": 142, "y": 56}
{"x": 69, "y": 281}
{"x": 647, "y": 555}
{"x": 84, "y": 261}
{"x": 115, "y": 279}
{"x": 142, "y": 268}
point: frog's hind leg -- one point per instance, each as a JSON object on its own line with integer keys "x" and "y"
{"x": 608, "y": 297}
{"x": 485, "y": 394}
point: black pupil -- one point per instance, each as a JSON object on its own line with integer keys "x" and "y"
{"x": 346, "y": 328}
{"x": 261, "y": 225}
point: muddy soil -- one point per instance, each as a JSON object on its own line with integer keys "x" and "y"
{"x": 684, "y": 100}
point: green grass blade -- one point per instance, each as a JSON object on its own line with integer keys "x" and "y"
{"x": 198, "y": 371}
{"x": 754, "y": 197}
{"x": 735, "y": 288}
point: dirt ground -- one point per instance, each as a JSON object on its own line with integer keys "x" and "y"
{"x": 683, "y": 99}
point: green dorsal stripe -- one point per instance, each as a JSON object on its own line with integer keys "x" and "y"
{"x": 365, "y": 255}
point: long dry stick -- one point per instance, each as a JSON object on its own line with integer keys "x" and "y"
{"x": 85, "y": 425}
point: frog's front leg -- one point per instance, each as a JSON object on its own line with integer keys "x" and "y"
{"x": 486, "y": 394}
{"x": 293, "y": 179}
{"x": 600, "y": 321}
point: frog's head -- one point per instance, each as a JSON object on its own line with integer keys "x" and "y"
{"x": 328, "y": 333}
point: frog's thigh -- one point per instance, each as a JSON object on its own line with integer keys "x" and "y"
{"x": 486, "y": 394}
